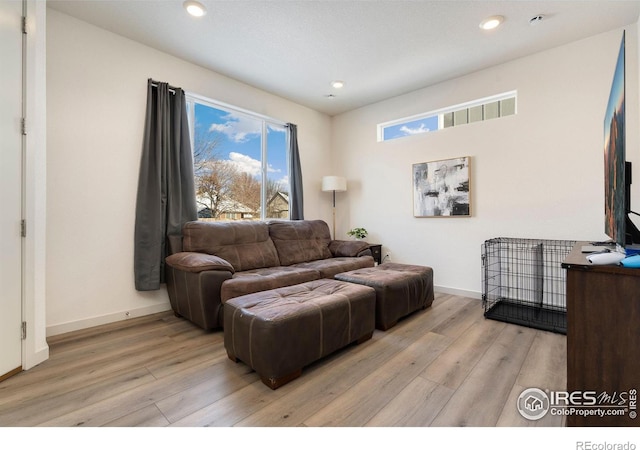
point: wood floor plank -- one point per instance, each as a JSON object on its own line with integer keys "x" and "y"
{"x": 480, "y": 399}
{"x": 106, "y": 336}
{"x": 457, "y": 324}
{"x": 54, "y": 367}
{"x": 113, "y": 407}
{"x": 453, "y": 366}
{"x": 149, "y": 416}
{"x": 320, "y": 383}
{"x": 187, "y": 357}
{"x": 545, "y": 366}
{"x": 417, "y": 405}
{"x": 357, "y": 406}
{"x": 36, "y": 411}
{"x": 101, "y": 365}
{"x": 232, "y": 408}
{"x": 85, "y": 336}
{"x": 189, "y": 400}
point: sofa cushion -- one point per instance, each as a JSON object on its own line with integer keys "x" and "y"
{"x": 299, "y": 241}
{"x": 245, "y": 245}
{"x": 257, "y": 280}
{"x": 197, "y": 262}
{"x": 328, "y": 268}
{"x": 347, "y": 248}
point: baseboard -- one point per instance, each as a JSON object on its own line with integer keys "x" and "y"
{"x": 67, "y": 327}
{"x": 460, "y": 292}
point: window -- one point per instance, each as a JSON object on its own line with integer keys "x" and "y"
{"x": 484, "y": 109}
{"x": 240, "y": 162}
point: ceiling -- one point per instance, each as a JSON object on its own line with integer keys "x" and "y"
{"x": 379, "y": 48}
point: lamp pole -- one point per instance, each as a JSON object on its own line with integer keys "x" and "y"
{"x": 334, "y": 214}
{"x": 334, "y": 184}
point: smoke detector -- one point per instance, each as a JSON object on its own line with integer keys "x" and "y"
{"x": 536, "y": 19}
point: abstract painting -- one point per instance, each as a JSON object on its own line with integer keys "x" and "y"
{"x": 441, "y": 188}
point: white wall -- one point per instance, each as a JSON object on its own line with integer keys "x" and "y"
{"x": 538, "y": 174}
{"x": 96, "y": 99}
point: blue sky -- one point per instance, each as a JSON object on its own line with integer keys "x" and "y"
{"x": 240, "y": 141}
{"x": 410, "y": 128}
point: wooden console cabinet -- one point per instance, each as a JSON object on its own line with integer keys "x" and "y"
{"x": 603, "y": 335}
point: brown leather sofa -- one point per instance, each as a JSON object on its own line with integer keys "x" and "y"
{"x": 218, "y": 261}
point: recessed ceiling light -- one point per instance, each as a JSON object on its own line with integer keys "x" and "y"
{"x": 337, "y": 84}
{"x": 491, "y": 22}
{"x": 194, "y": 8}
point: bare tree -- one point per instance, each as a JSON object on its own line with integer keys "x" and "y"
{"x": 214, "y": 185}
{"x": 246, "y": 190}
{"x": 205, "y": 149}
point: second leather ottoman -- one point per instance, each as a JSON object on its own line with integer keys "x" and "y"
{"x": 400, "y": 289}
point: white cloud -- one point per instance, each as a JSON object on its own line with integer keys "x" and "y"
{"x": 277, "y": 128}
{"x": 221, "y": 128}
{"x": 421, "y": 129}
{"x": 245, "y": 163}
{"x": 284, "y": 181}
{"x": 238, "y": 128}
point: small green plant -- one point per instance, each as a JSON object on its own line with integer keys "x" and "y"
{"x": 358, "y": 233}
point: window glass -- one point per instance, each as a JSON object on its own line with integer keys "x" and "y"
{"x": 475, "y": 114}
{"x": 410, "y": 128}
{"x": 238, "y": 159}
{"x": 475, "y": 111}
{"x": 508, "y": 107}
{"x": 277, "y": 188}
{"x": 492, "y": 110}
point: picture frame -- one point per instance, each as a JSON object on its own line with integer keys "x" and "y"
{"x": 442, "y": 188}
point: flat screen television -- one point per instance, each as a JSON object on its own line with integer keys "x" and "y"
{"x": 617, "y": 170}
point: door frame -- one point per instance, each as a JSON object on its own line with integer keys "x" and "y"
{"x": 35, "y": 349}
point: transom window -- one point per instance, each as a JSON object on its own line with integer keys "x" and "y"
{"x": 493, "y": 107}
{"x": 240, "y": 162}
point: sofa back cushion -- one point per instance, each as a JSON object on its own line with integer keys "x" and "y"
{"x": 245, "y": 245}
{"x": 300, "y": 240}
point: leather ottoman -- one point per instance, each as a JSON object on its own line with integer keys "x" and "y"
{"x": 280, "y": 331}
{"x": 400, "y": 289}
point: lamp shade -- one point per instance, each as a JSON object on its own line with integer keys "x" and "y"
{"x": 333, "y": 183}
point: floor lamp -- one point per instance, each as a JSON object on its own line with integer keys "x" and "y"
{"x": 334, "y": 184}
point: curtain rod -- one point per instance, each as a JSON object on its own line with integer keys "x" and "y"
{"x": 154, "y": 83}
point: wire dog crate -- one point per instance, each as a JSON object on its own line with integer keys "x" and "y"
{"x": 523, "y": 282}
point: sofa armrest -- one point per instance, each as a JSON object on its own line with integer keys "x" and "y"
{"x": 196, "y": 295}
{"x": 349, "y": 248}
{"x": 198, "y": 262}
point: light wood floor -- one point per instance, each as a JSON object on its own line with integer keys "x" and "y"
{"x": 445, "y": 366}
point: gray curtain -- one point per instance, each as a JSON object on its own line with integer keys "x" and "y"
{"x": 166, "y": 187}
{"x": 295, "y": 172}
